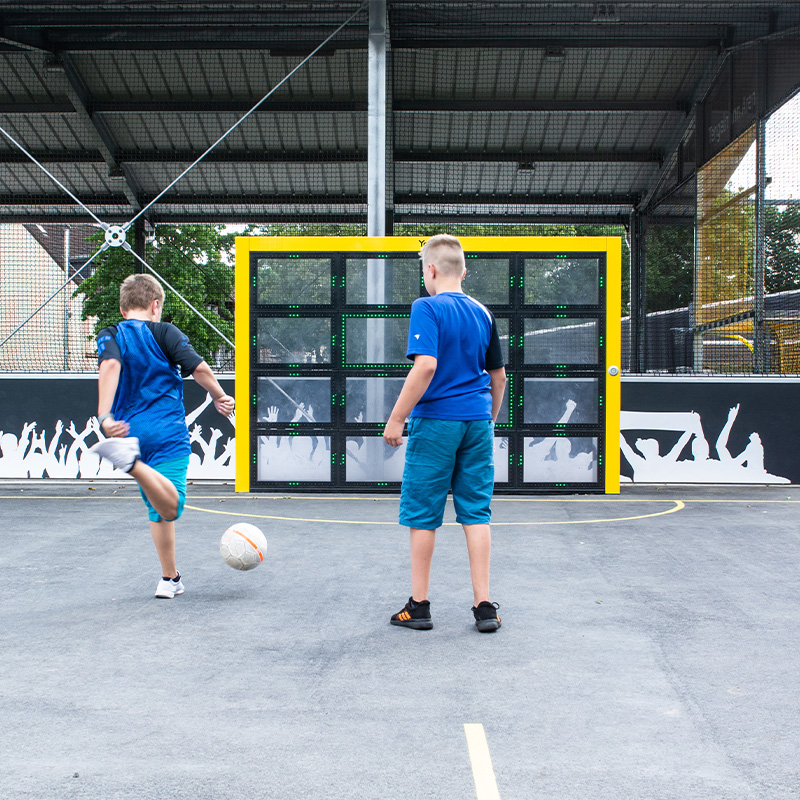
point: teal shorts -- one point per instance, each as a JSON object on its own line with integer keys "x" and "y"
{"x": 175, "y": 472}
{"x": 442, "y": 454}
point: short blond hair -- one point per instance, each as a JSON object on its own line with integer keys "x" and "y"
{"x": 446, "y": 253}
{"x": 138, "y": 292}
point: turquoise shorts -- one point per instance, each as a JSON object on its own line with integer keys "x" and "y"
{"x": 442, "y": 454}
{"x": 175, "y": 472}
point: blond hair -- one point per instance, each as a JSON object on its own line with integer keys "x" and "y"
{"x": 446, "y": 253}
{"x": 138, "y": 292}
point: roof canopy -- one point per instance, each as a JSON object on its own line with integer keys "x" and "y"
{"x": 497, "y": 110}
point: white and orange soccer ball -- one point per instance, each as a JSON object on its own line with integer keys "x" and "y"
{"x": 243, "y": 546}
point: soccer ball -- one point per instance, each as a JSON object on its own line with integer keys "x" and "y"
{"x": 243, "y": 546}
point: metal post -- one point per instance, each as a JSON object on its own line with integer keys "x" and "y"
{"x": 138, "y": 244}
{"x": 66, "y": 299}
{"x": 376, "y": 132}
{"x": 376, "y": 212}
{"x": 638, "y": 293}
{"x": 760, "y": 328}
{"x": 760, "y": 338}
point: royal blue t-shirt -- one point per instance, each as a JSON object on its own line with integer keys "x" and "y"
{"x": 155, "y": 357}
{"x": 462, "y": 335}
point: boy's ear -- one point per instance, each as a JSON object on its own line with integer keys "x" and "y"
{"x": 123, "y": 313}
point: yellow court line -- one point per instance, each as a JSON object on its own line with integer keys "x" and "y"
{"x": 482, "y": 770}
{"x": 678, "y": 506}
{"x": 395, "y": 498}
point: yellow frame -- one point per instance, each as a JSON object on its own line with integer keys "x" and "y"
{"x": 611, "y": 245}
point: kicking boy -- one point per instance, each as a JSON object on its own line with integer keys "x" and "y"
{"x": 140, "y": 408}
{"x": 453, "y": 395}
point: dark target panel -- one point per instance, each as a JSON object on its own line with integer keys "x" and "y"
{"x": 321, "y": 334}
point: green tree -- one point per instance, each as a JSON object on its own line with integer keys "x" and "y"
{"x": 670, "y": 266}
{"x": 195, "y": 259}
{"x": 782, "y": 231}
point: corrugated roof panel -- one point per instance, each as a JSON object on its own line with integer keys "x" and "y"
{"x": 578, "y": 74}
{"x": 560, "y": 131}
{"x": 22, "y": 79}
{"x": 119, "y": 76}
{"x": 508, "y": 180}
{"x": 83, "y": 180}
{"x": 254, "y": 178}
{"x": 47, "y": 133}
{"x": 272, "y": 132}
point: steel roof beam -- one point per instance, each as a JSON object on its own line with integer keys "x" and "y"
{"x": 499, "y": 106}
{"x": 502, "y": 200}
{"x": 346, "y": 106}
{"x": 650, "y": 40}
{"x": 517, "y": 199}
{"x": 610, "y": 218}
{"x": 524, "y": 158}
{"x": 185, "y": 106}
{"x": 530, "y": 158}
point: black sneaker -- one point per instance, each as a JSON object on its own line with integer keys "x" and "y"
{"x": 414, "y": 615}
{"x": 486, "y": 619}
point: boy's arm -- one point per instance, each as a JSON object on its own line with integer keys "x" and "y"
{"x": 497, "y": 386}
{"x": 417, "y": 381}
{"x": 224, "y": 403}
{"x": 107, "y": 381}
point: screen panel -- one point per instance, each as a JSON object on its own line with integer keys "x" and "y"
{"x": 375, "y": 340}
{"x": 294, "y": 457}
{"x": 563, "y": 340}
{"x": 293, "y": 340}
{"x": 370, "y": 459}
{"x": 561, "y": 401}
{"x": 382, "y": 281}
{"x": 562, "y": 281}
{"x": 285, "y": 399}
{"x": 488, "y": 280}
{"x": 292, "y": 280}
{"x": 371, "y": 399}
{"x": 560, "y": 459}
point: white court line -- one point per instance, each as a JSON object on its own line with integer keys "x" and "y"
{"x": 482, "y": 771}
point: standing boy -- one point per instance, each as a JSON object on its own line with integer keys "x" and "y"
{"x": 142, "y": 362}
{"x": 453, "y": 395}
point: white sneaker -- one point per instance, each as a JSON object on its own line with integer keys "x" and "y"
{"x": 122, "y": 453}
{"x": 167, "y": 589}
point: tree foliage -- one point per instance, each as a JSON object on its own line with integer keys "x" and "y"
{"x": 197, "y": 260}
{"x": 782, "y": 248}
{"x": 670, "y": 266}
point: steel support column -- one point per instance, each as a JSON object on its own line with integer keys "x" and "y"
{"x": 638, "y": 291}
{"x": 376, "y": 141}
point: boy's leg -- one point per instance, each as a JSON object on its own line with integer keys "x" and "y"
{"x": 422, "y": 544}
{"x": 479, "y": 547}
{"x": 160, "y": 490}
{"x": 473, "y": 482}
{"x": 163, "y": 534}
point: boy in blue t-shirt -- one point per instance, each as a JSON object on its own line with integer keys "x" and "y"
{"x": 142, "y": 362}
{"x": 453, "y": 395}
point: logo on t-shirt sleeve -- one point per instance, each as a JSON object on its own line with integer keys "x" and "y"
{"x": 416, "y": 336}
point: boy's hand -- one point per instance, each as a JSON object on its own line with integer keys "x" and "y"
{"x": 225, "y": 405}
{"x": 393, "y": 432}
{"x": 114, "y": 427}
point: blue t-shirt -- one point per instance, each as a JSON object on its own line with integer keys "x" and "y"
{"x": 154, "y": 357}
{"x": 462, "y": 335}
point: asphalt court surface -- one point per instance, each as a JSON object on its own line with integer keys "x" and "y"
{"x": 649, "y": 649}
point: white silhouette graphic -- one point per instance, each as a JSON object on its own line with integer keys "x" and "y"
{"x": 649, "y": 466}
{"x": 31, "y": 455}
{"x": 551, "y": 460}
